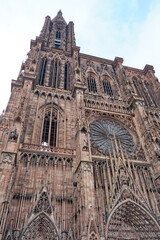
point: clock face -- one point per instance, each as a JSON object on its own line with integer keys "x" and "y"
{"x": 102, "y": 136}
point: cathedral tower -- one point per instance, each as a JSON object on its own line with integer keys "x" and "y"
{"x": 79, "y": 145}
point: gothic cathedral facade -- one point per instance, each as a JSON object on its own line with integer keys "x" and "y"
{"x": 79, "y": 145}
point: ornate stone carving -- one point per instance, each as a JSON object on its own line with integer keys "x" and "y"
{"x": 7, "y": 158}
{"x": 13, "y": 135}
{"x": 41, "y": 227}
{"x": 92, "y": 230}
{"x": 87, "y": 167}
{"x": 102, "y": 134}
{"x": 90, "y": 181}
{"x": 122, "y": 223}
{"x": 43, "y": 204}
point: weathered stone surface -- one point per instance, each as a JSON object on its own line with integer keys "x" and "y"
{"x": 58, "y": 178}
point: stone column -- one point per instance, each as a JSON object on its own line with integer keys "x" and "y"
{"x": 7, "y": 171}
{"x": 84, "y": 194}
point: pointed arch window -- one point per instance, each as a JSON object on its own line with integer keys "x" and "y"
{"x": 66, "y": 77}
{"x": 24, "y": 160}
{"x": 58, "y": 35}
{"x": 49, "y": 135}
{"x": 107, "y": 87}
{"x": 42, "y": 71}
{"x": 142, "y": 91}
{"x": 92, "y": 87}
{"x": 54, "y": 78}
{"x": 150, "y": 91}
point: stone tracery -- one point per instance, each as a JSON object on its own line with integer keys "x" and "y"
{"x": 103, "y": 132}
{"x": 138, "y": 223}
{"x": 40, "y": 228}
{"x": 112, "y": 179}
{"x": 43, "y": 204}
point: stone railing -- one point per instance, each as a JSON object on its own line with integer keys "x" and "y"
{"x": 48, "y": 149}
{"x": 106, "y": 104}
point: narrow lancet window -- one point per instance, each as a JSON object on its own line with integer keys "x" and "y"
{"x": 53, "y": 131}
{"x": 142, "y": 91}
{"x": 49, "y": 129}
{"x": 46, "y": 128}
{"x": 42, "y": 71}
{"x": 55, "y": 76}
{"x": 58, "y": 35}
{"x": 107, "y": 88}
{"x": 92, "y": 84}
{"x": 66, "y": 77}
{"x": 51, "y": 74}
{"x": 54, "y": 80}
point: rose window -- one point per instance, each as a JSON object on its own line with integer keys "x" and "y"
{"x": 102, "y": 136}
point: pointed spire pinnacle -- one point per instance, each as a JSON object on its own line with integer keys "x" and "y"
{"x": 59, "y": 13}
{"x": 59, "y": 17}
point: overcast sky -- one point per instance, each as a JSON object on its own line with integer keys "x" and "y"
{"x": 106, "y": 28}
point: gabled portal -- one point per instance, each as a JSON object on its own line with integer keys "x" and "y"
{"x": 131, "y": 221}
{"x": 40, "y": 228}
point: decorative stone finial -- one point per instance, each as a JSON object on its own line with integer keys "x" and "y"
{"x": 59, "y": 13}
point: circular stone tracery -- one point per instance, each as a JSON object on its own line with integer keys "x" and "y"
{"x": 102, "y": 135}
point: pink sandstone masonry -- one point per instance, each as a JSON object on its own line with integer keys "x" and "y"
{"x": 79, "y": 146}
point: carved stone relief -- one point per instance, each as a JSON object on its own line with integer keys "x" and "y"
{"x": 7, "y": 158}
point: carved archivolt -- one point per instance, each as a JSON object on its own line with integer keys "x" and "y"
{"x": 130, "y": 220}
{"x": 41, "y": 227}
{"x": 41, "y": 223}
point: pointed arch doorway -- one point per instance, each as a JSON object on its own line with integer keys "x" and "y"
{"x": 130, "y": 221}
{"x": 40, "y": 228}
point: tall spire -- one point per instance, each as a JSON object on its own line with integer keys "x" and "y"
{"x": 59, "y": 17}
{"x": 57, "y": 33}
